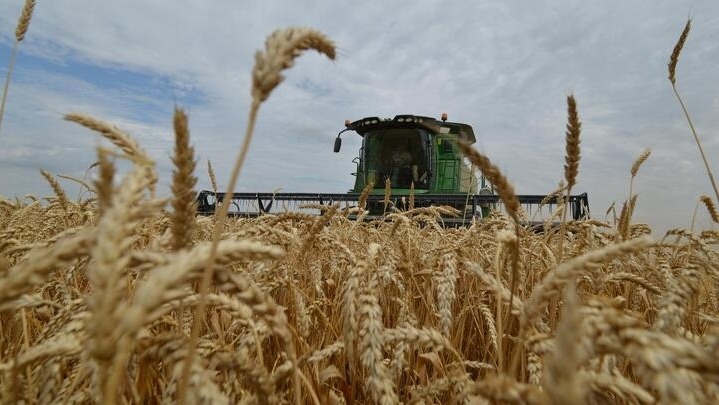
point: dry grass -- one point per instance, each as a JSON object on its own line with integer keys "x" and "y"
{"x": 97, "y": 296}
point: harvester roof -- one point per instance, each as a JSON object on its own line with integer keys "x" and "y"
{"x": 367, "y": 124}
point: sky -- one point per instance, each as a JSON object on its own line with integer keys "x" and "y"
{"x": 505, "y": 68}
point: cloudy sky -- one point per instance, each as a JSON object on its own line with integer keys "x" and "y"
{"x": 503, "y": 67}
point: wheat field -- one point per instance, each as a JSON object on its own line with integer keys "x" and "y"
{"x": 97, "y": 306}
{"x": 122, "y": 296}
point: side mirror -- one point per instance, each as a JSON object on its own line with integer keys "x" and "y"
{"x": 338, "y": 144}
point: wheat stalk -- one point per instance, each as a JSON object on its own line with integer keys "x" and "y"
{"x": 560, "y": 380}
{"x": 634, "y": 170}
{"x": 387, "y": 194}
{"x": 114, "y": 236}
{"x": 506, "y": 193}
{"x": 22, "y": 26}
{"x": 380, "y": 386}
{"x": 673, "y": 59}
{"x": 281, "y": 49}
{"x": 571, "y": 159}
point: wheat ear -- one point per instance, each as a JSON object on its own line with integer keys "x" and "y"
{"x": 39, "y": 263}
{"x": 446, "y": 290}
{"x": 24, "y": 22}
{"x": 114, "y": 236}
{"x": 574, "y": 129}
{"x": 495, "y": 176}
{"x": 709, "y": 203}
{"x": 387, "y": 194}
{"x": 182, "y": 220}
{"x": 560, "y": 381}
{"x": 673, "y": 59}
{"x": 118, "y": 138}
{"x": 634, "y": 170}
{"x": 104, "y": 182}
{"x": 571, "y": 160}
{"x": 557, "y": 278}
{"x": 166, "y": 280}
{"x": 379, "y": 384}
{"x": 281, "y": 49}
{"x": 211, "y": 174}
{"x": 22, "y": 25}
{"x": 364, "y": 195}
{"x": 625, "y": 218}
{"x": 639, "y": 161}
{"x": 635, "y": 167}
{"x": 59, "y": 192}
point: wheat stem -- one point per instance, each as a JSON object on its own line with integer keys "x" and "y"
{"x": 216, "y": 236}
{"x": 281, "y": 48}
{"x": 699, "y": 144}
{"x": 11, "y": 65}
{"x": 571, "y": 166}
{"x": 673, "y": 60}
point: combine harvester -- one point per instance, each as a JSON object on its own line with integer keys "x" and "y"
{"x": 419, "y": 156}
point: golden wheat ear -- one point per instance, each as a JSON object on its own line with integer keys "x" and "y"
{"x": 211, "y": 174}
{"x": 574, "y": 129}
{"x": 23, "y": 22}
{"x": 182, "y": 220}
{"x": 281, "y": 49}
{"x": 710, "y": 207}
{"x": 59, "y": 192}
{"x": 104, "y": 183}
{"x": 494, "y": 175}
{"x": 674, "y": 58}
{"x": 639, "y": 161}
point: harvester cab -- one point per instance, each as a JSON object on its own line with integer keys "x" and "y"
{"x": 407, "y": 161}
{"x": 411, "y": 151}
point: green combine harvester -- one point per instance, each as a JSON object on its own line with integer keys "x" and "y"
{"x": 414, "y": 155}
